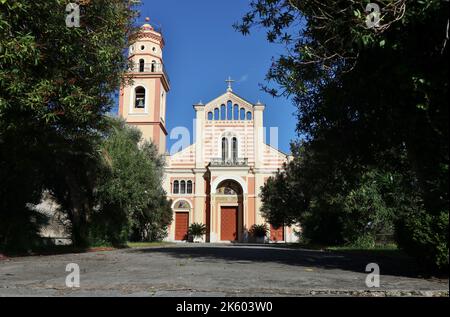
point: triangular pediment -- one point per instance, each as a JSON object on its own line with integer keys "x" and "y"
{"x": 225, "y": 98}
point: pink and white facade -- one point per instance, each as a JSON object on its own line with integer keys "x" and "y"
{"x": 217, "y": 180}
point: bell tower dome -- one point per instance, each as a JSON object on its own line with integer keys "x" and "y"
{"x": 143, "y": 103}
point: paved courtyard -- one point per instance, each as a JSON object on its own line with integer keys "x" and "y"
{"x": 212, "y": 270}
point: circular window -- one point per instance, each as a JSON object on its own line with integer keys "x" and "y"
{"x": 142, "y": 47}
{"x": 154, "y": 49}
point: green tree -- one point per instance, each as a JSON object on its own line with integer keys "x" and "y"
{"x": 329, "y": 210}
{"x": 55, "y": 88}
{"x": 284, "y": 199}
{"x": 369, "y": 97}
{"x": 369, "y": 209}
{"x": 131, "y": 202}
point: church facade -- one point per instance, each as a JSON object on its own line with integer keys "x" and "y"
{"x": 217, "y": 180}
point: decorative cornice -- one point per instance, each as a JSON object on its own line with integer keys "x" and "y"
{"x": 161, "y": 125}
{"x": 151, "y": 35}
{"x": 229, "y": 168}
{"x": 179, "y": 171}
{"x": 160, "y": 75}
{"x": 200, "y": 170}
{"x": 265, "y": 171}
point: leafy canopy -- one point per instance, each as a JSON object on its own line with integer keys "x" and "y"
{"x": 56, "y": 85}
{"x": 370, "y": 100}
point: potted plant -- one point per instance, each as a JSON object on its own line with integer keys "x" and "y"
{"x": 197, "y": 232}
{"x": 259, "y": 233}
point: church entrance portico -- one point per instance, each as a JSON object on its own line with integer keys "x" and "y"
{"x": 227, "y": 212}
{"x": 182, "y": 216}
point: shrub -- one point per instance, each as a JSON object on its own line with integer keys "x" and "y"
{"x": 197, "y": 230}
{"x": 368, "y": 210}
{"x": 425, "y": 236}
{"x": 322, "y": 224}
{"x": 19, "y": 230}
{"x": 259, "y": 231}
{"x": 365, "y": 242}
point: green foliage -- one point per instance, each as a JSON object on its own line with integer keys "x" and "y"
{"x": 56, "y": 85}
{"x": 369, "y": 209}
{"x": 364, "y": 242}
{"x": 372, "y": 103}
{"x": 259, "y": 231}
{"x": 280, "y": 200}
{"x": 197, "y": 230}
{"x": 328, "y": 214}
{"x": 19, "y": 230}
{"x": 20, "y": 185}
{"x": 425, "y": 236}
{"x": 61, "y": 77}
{"x": 131, "y": 201}
{"x": 322, "y": 225}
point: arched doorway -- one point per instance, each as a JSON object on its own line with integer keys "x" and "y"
{"x": 230, "y": 207}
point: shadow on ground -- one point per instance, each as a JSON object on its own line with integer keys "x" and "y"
{"x": 394, "y": 264}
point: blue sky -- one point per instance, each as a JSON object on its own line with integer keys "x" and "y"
{"x": 202, "y": 50}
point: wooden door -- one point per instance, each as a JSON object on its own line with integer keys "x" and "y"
{"x": 181, "y": 225}
{"x": 276, "y": 234}
{"x": 229, "y": 224}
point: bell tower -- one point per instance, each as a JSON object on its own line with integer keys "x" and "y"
{"x": 143, "y": 103}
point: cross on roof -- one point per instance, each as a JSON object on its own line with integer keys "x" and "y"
{"x": 230, "y": 82}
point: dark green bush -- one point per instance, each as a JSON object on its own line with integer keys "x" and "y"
{"x": 322, "y": 226}
{"x": 109, "y": 227}
{"x": 425, "y": 236}
{"x": 259, "y": 231}
{"x": 197, "y": 230}
{"x": 19, "y": 231}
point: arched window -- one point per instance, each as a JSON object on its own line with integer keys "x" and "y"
{"x": 210, "y": 116}
{"x": 249, "y": 116}
{"x": 189, "y": 187}
{"x": 223, "y": 113}
{"x": 216, "y": 114}
{"x": 242, "y": 114}
{"x": 176, "y": 187}
{"x": 234, "y": 150}
{"x": 224, "y": 149}
{"x": 236, "y": 112}
{"x": 183, "y": 187}
{"x": 230, "y": 110}
{"x": 153, "y": 66}
{"x": 141, "y": 65}
{"x": 139, "y": 97}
